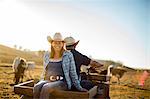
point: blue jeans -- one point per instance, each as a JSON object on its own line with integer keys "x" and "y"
{"x": 43, "y": 88}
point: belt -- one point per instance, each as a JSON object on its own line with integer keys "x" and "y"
{"x": 55, "y": 78}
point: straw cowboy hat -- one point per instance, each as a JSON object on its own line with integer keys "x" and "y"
{"x": 56, "y": 37}
{"x": 70, "y": 41}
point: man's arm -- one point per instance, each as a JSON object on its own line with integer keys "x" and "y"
{"x": 86, "y": 60}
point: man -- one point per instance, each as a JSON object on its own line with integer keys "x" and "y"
{"x": 79, "y": 58}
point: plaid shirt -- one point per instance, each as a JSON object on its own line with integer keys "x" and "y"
{"x": 69, "y": 68}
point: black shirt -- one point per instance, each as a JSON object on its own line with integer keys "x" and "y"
{"x": 80, "y": 59}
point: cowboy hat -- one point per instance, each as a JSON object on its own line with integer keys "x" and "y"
{"x": 70, "y": 41}
{"x": 56, "y": 37}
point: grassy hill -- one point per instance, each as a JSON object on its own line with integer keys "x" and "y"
{"x": 8, "y": 54}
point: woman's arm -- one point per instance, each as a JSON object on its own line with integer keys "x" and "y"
{"x": 45, "y": 62}
{"x": 73, "y": 74}
{"x": 46, "y": 59}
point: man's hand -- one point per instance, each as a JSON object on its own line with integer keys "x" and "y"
{"x": 95, "y": 64}
{"x": 92, "y": 70}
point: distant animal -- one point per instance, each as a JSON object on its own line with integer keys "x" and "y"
{"x": 20, "y": 72}
{"x": 118, "y": 73}
{"x": 20, "y": 66}
{"x": 30, "y": 68}
{"x": 113, "y": 71}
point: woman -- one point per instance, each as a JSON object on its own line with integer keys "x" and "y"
{"x": 59, "y": 70}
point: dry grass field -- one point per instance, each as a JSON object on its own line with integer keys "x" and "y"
{"x": 6, "y": 81}
{"x": 128, "y": 88}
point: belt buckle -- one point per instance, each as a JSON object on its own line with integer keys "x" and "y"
{"x": 53, "y": 78}
{"x": 60, "y": 77}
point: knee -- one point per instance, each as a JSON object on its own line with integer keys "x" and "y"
{"x": 36, "y": 88}
{"x": 47, "y": 88}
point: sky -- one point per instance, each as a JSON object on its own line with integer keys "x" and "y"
{"x": 116, "y": 30}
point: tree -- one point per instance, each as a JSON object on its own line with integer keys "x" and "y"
{"x": 15, "y": 46}
{"x": 20, "y": 47}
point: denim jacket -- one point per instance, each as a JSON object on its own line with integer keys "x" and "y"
{"x": 69, "y": 68}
